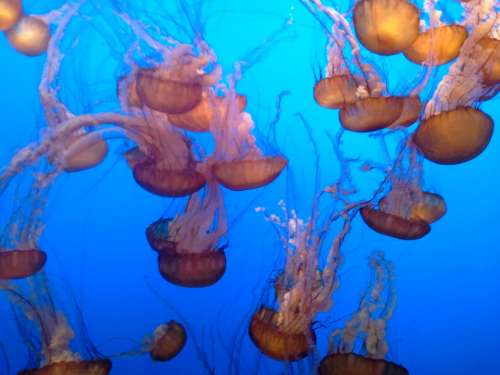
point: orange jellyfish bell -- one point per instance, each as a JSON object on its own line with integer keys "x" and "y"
{"x": 335, "y": 91}
{"x": 168, "y": 341}
{"x": 354, "y": 364}
{"x": 249, "y": 174}
{"x": 159, "y": 90}
{"x": 455, "y": 136}
{"x": 30, "y": 36}
{"x": 192, "y": 270}
{"x": 167, "y": 182}
{"x": 430, "y": 208}
{"x": 20, "y": 263}
{"x": 437, "y": 46}
{"x": 412, "y": 106}
{"x": 386, "y": 27}
{"x": 275, "y": 343}
{"x": 10, "y": 12}
{"x": 394, "y": 225}
{"x": 93, "y": 367}
{"x": 89, "y": 156}
{"x": 200, "y": 117}
{"x": 491, "y": 70}
{"x": 370, "y": 114}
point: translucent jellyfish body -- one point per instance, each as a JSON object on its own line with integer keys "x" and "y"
{"x": 188, "y": 249}
{"x": 268, "y": 335}
{"x": 405, "y": 214}
{"x": 336, "y": 91}
{"x": 168, "y": 341}
{"x": 21, "y": 263}
{"x": 386, "y": 27}
{"x": 454, "y": 136}
{"x": 10, "y": 12}
{"x": 437, "y": 46}
{"x": 30, "y": 36}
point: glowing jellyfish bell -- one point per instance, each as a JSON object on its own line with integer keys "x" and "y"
{"x": 168, "y": 341}
{"x": 21, "y": 263}
{"x": 187, "y": 245}
{"x": 10, "y": 12}
{"x": 454, "y": 136}
{"x": 30, "y": 35}
{"x": 335, "y": 91}
{"x": 491, "y": 69}
{"x": 437, "y": 46}
{"x": 239, "y": 163}
{"x": 177, "y": 85}
{"x": 386, "y": 27}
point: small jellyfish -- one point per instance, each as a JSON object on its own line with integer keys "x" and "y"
{"x": 21, "y": 263}
{"x": 367, "y": 326}
{"x": 188, "y": 251}
{"x": 386, "y": 27}
{"x": 10, "y": 12}
{"x": 335, "y": 91}
{"x": 30, "y": 36}
{"x": 168, "y": 341}
{"x": 491, "y": 70}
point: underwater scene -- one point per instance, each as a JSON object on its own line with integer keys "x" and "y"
{"x": 249, "y": 187}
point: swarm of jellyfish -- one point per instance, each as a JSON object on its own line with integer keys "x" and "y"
{"x": 169, "y": 91}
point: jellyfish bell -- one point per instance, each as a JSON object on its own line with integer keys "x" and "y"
{"x": 267, "y": 334}
{"x": 336, "y": 91}
{"x": 10, "y": 12}
{"x": 430, "y": 208}
{"x": 393, "y": 225}
{"x": 85, "y": 152}
{"x": 249, "y": 173}
{"x": 30, "y": 36}
{"x": 354, "y": 364}
{"x": 437, "y": 46}
{"x": 192, "y": 270}
{"x": 200, "y": 117}
{"x": 491, "y": 70}
{"x": 370, "y": 114}
{"x": 168, "y": 341}
{"x": 21, "y": 263}
{"x": 455, "y": 136}
{"x": 412, "y": 106}
{"x": 386, "y": 27}
{"x": 167, "y": 182}
{"x": 90, "y": 367}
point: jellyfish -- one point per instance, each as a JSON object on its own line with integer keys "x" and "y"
{"x": 453, "y": 130}
{"x": 238, "y": 163}
{"x": 10, "y": 12}
{"x": 439, "y": 44}
{"x": 189, "y": 253}
{"x": 386, "y": 27}
{"x": 356, "y": 89}
{"x": 406, "y": 210}
{"x": 168, "y": 341}
{"x": 303, "y": 289}
{"x": 48, "y": 333}
{"x": 367, "y": 327}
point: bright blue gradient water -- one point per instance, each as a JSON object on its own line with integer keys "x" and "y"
{"x": 446, "y": 320}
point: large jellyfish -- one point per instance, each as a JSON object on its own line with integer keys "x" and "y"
{"x": 357, "y": 89}
{"x": 366, "y": 328}
{"x": 190, "y": 253}
{"x": 48, "y": 334}
{"x": 453, "y": 130}
{"x": 406, "y": 210}
{"x": 303, "y": 289}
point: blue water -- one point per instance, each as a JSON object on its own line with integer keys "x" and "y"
{"x": 446, "y": 320}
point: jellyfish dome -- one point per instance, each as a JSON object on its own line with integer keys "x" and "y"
{"x": 92, "y": 367}
{"x": 168, "y": 341}
{"x": 355, "y": 364}
{"x": 21, "y": 263}
{"x": 30, "y": 36}
{"x": 10, "y": 12}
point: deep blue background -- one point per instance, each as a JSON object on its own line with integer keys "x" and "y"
{"x": 446, "y": 321}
